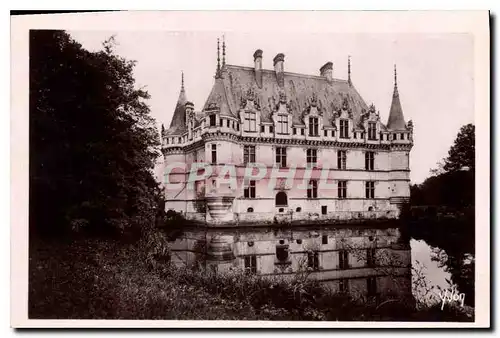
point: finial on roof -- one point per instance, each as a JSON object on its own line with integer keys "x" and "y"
{"x": 395, "y": 81}
{"x": 217, "y": 72}
{"x": 223, "y": 50}
{"x": 349, "y": 70}
{"x": 182, "y": 80}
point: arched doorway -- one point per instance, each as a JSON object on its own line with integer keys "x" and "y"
{"x": 281, "y": 199}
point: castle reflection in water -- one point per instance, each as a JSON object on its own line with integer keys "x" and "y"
{"x": 359, "y": 260}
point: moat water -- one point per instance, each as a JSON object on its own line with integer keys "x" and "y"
{"x": 398, "y": 265}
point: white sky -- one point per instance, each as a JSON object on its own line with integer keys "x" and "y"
{"x": 435, "y": 73}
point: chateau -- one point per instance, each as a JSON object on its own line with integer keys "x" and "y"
{"x": 273, "y": 146}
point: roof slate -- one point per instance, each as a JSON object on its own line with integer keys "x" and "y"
{"x": 235, "y": 82}
{"x": 396, "y": 119}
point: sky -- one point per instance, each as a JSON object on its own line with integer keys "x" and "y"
{"x": 435, "y": 73}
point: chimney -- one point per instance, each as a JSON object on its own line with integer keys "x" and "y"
{"x": 327, "y": 71}
{"x": 279, "y": 61}
{"x": 257, "y": 59}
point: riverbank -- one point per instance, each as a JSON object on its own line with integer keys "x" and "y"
{"x": 104, "y": 279}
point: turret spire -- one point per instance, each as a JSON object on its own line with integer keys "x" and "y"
{"x": 217, "y": 72}
{"x": 396, "y": 119}
{"x": 349, "y": 70}
{"x": 223, "y": 50}
{"x": 177, "y": 125}
{"x": 395, "y": 81}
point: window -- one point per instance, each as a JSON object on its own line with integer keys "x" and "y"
{"x": 281, "y": 157}
{"x": 370, "y": 189}
{"x": 271, "y": 129}
{"x": 324, "y": 209}
{"x": 301, "y": 131}
{"x": 324, "y": 239}
{"x": 250, "y": 121}
{"x": 281, "y": 199}
{"x": 372, "y": 131}
{"x": 369, "y": 160}
{"x": 214, "y": 153}
{"x": 343, "y": 259}
{"x": 212, "y": 120}
{"x": 313, "y": 126}
{"x": 341, "y": 159}
{"x": 294, "y": 130}
{"x": 262, "y": 129}
{"x": 248, "y": 154}
{"x": 325, "y": 133}
{"x": 342, "y": 189}
{"x": 282, "y": 124}
{"x": 370, "y": 257}
{"x": 312, "y": 157}
{"x": 237, "y": 126}
{"x": 312, "y": 189}
{"x": 228, "y": 122}
{"x": 221, "y": 122}
{"x": 251, "y": 264}
{"x": 344, "y": 128}
{"x": 282, "y": 252}
{"x": 344, "y": 285}
{"x": 249, "y": 192}
{"x": 313, "y": 260}
{"x": 333, "y": 133}
{"x": 402, "y": 136}
{"x": 250, "y": 210}
{"x": 371, "y": 286}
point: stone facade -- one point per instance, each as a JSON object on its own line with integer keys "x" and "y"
{"x": 271, "y": 146}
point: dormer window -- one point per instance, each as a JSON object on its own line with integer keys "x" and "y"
{"x": 313, "y": 126}
{"x": 250, "y": 121}
{"x": 212, "y": 120}
{"x": 282, "y": 124}
{"x": 372, "y": 131}
{"x": 344, "y": 128}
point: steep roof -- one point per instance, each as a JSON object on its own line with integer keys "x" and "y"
{"x": 396, "y": 119}
{"x": 236, "y": 81}
{"x": 178, "y": 123}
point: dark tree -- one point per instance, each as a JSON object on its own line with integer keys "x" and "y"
{"x": 461, "y": 154}
{"x": 92, "y": 140}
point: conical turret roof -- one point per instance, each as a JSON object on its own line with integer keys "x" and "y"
{"x": 396, "y": 118}
{"x": 178, "y": 123}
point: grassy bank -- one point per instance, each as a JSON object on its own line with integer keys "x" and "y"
{"x": 107, "y": 279}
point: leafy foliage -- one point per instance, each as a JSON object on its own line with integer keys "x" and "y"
{"x": 462, "y": 152}
{"x": 92, "y": 140}
{"x": 452, "y": 184}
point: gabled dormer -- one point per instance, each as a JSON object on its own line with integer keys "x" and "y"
{"x": 250, "y": 112}
{"x": 370, "y": 124}
{"x": 343, "y": 120}
{"x": 282, "y": 116}
{"x": 313, "y": 117}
